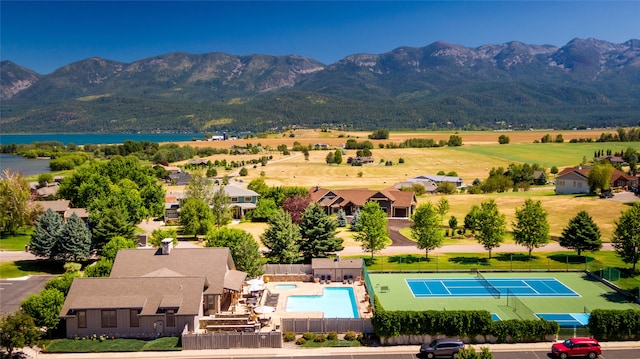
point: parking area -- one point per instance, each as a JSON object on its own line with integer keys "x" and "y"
{"x": 14, "y": 291}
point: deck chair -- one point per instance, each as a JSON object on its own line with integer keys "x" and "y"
{"x": 322, "y": 279}
{"x": 329, "y": 279}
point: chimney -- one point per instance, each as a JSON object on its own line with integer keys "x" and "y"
{"x": 167, "y": 244}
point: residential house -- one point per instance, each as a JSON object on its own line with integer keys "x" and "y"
{"x": 153, "y": 292}
{"x": 178, "y": 178}
{"x": 457, "y": 181}
{"x": 394, "y": 202}
{"x": 573, "y": 180}
{"x": 428, "y": 185}
{"x": 62, "y": 208}
{"x": 241, "y": 200}
{"x": 200, "y": 162}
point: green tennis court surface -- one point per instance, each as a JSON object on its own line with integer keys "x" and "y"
{"x": 565, "y": 293}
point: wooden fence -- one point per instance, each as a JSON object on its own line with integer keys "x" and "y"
{"x": 287, "y": 269}
{"x": 227, "y": 340}
{"x": 325, "y": 325}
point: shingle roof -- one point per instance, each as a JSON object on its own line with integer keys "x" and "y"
{"x": 213, "y": 263}
{"x": 149, "y": 294}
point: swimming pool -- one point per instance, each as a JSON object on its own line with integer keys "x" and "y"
{"x": 334, "y": 302}
{"x": 285, "y": 286}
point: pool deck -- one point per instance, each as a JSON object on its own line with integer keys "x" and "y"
{"x": 308, "y": 288}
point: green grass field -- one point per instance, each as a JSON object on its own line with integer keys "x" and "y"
{"x": 593, "y": 294}
{"x": 17, "y": 241}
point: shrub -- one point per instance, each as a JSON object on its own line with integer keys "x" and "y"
{"x": 332, "y": 335}
{"x": 301, "y": 341}
{"x": 72, "y": 267}
{"x": 289, "y": 336}
{"x": 319, "y": 338}
{"x": 308, "y": 336}
{"x": 350, "y": 335}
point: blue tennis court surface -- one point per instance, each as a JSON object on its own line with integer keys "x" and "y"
{"x": 473, "y": 287}
{"x": 566, "y": 320}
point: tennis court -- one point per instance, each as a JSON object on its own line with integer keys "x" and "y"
{"x": 506, "y": 295}
{"x": 566, "y": 320}
{"x": 480, "y": 287}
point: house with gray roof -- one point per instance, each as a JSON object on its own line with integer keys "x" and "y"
{"x": 153, "y": 292}
{"x": 457, "y": 181}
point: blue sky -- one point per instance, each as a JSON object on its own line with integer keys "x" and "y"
{"x": 46, "y": 35}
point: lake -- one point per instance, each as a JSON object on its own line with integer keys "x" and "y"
{"x": 28, "y": 167}
{"x": 95, "y": 138}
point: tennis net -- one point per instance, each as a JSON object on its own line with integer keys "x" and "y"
{"x": 492, "y": 290}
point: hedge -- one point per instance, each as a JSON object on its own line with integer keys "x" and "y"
{"x": 615, "y": 324}
{"x": 460, "y": 323}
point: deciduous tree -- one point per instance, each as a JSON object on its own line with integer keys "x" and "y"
{"x": 598, "y": 177}
{"x": 581, "y": 234}
{"x": 244, "y": 249}
{"x": 426, "y": 228}
{"x": 159, "y": 234}
{"x": 17, "y": 330}
{"x": 15, "y": 212}
{"x": 44, "y": 308}
{"x": 196, "y": 218}
{"x": 296, "y": 205}
{"x": 531, "y": 228}
{"x": 110, "y": 250}
{"x": 282, "y": 237}
{"x": 220, "y": 207}
{"x": 492, "y": 226}
{"x": 626, "y": 236}
{"x": 372, "y": 233}
{"x": 442, "y": 208}
{"x": 318, "y": 232}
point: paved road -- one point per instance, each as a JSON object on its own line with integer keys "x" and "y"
{"x": 14, "y": 291}
{"x": 628, "y": 350}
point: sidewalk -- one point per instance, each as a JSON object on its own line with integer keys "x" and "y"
{"x": 300, "y": 352}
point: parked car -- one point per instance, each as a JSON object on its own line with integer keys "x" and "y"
{"x": 443, "y": 347}
{"x": 574, "y": 347}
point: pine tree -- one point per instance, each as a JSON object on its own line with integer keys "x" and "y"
{"x": 46, "y": 234}
{"x": 282, "y": 237}
{"x": 318, "y": 232}
{"x": 581, "y": 234}
{"x": 355, "y": 221}
{"x": 75, "y": 240}
{"x": 111, "y": 222}
{"x": 342, "y": 218}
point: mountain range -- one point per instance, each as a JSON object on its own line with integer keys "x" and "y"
{"x": 587, "y": 82}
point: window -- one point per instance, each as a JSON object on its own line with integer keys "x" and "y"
{"x": 82, "y": 318}
{"x": 134, "y": 321}
{"x": 247, "y": 199}
{"x": 109, "y": 319}
{"x": 171, "y": 317}
{"x": 234, "y": 199}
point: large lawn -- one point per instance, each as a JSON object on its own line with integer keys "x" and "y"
{"x": 15, "y": 242}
